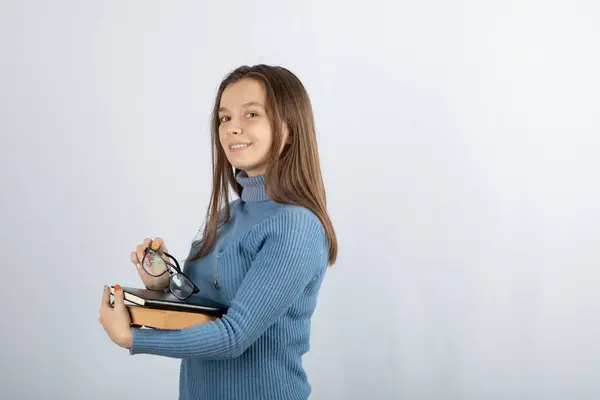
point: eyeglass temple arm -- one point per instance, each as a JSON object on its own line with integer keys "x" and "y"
{"x": 176, "y": 266}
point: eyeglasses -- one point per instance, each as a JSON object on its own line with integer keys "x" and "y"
{"x": 155, "y": 265}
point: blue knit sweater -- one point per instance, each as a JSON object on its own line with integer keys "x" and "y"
{"x": 271, "y": 260}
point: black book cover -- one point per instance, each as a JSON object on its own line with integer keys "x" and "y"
{"x": 167, "y": 301}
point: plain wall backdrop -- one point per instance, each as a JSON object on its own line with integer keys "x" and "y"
{"x": 460, "y": 148}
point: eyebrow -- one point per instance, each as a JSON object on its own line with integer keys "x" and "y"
{"x": 246, "y": 105}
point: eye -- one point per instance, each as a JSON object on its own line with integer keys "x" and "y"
{"x": 224, "y": 119}
{"x": 252, "y": 113}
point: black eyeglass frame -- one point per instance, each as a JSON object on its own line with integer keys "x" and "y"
{"x": 175, "y": 266}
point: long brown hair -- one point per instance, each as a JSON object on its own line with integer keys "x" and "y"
{"x": 292, "y": 177}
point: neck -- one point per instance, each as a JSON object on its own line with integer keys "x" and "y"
{"x": 253, "y": 187}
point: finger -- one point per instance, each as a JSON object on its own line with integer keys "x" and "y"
{"x": 140, "y": 250}
{"x": 137, "y": 262}
{"x": 134, "y": 258}
{"x": 106, "y": 296}
{"x": 158, "y": 243}
{"x": 147, "y": 242}
{"x": 119, "y": 297}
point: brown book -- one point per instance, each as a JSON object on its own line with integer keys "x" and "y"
{"x": 165, "y": 319}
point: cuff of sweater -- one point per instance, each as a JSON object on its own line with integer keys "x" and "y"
{"x": 146, "y": 341}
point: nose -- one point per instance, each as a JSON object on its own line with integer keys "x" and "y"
{"x": 234, "y": 128}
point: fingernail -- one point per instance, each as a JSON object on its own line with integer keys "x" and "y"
{"x": 117, "y": 287}
{"x": 153, "y": 246}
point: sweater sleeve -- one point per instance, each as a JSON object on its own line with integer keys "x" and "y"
{"x": 293, "y": 251}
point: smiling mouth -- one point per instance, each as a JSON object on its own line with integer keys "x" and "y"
{"x": 239, "y": 146}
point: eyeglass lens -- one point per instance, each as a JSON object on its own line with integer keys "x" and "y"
{"x": 180, "y": 286}
{"x": 153, "y": 263}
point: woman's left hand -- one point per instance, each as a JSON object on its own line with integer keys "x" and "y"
{"x": 115, "y": 319}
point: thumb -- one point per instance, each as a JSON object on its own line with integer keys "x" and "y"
{"x": 119, "y": 298}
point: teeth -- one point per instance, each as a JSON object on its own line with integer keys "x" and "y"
{"x": 237, "y": 146}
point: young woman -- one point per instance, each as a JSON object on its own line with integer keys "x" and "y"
{"x": 264, "y": 254}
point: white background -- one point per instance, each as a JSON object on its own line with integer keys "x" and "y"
{"x": 460, "y": 147}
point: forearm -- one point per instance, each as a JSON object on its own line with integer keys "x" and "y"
{"x": 212, "y": 340}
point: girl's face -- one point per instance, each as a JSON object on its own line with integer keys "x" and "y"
{"x": 244, "y": 131}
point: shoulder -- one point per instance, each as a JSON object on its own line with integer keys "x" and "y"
{"x": 291, "y": 223}
{"x": 291, "y": 238}
{"x": 296, "y": 218}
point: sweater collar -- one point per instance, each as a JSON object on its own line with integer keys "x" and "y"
{"x": 253, "y": 187}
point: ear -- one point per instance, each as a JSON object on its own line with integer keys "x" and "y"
{"x": 287, "y": 134}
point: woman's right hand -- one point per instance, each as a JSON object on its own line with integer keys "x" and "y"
{"x": 152, "y": 282}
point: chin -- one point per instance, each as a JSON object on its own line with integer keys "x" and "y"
{"x": 251, "y": 170}
{"x": 245, "y": 166}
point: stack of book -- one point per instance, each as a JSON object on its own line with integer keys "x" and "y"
{"x": 162, "y": 310}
